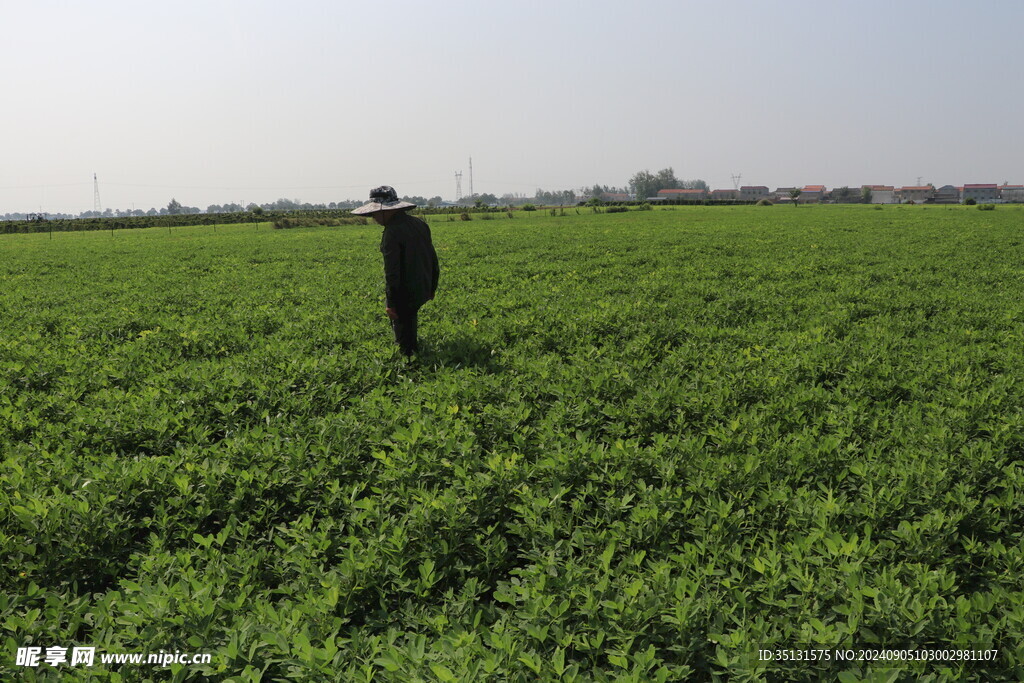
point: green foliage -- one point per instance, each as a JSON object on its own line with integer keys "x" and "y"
{"x": 764, "y": 202}
{"x": 528, "y": 207}
{"x": 465, "y": 216}
{"x": 986, "y": 207}
{"x": 310, "y": 217}
{"x": 970, "y": 201}
{"x": 634, "y": 448}
{"x": 645, "y": 184}
{"x": 301, "y": 221}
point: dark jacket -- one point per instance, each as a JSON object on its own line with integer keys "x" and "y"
{"x": 411, "y": 270}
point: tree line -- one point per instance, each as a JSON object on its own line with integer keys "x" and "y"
{"x": 642, "y": 184}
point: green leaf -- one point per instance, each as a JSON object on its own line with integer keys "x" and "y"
{"x": 388, "y": 663}
{"x": 442, "y": 672}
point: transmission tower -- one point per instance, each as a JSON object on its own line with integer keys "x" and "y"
{"x": 458, "y": 186}
{"x": 471, "y": 177}
{"x": 736, "y": 181}
{"x": 96, "y": 194}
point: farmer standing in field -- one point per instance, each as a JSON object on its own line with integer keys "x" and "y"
{"x": 411, "y": 270}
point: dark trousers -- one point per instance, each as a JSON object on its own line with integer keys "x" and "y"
{"x": 405, "y": 329}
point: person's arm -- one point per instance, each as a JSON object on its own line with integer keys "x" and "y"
{"x": 392, "y": 251}
{"x": 435, "y": 274}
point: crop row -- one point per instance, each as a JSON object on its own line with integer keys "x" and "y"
{"x": 637, "y": 447}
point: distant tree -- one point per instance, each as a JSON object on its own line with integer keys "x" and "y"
{"x": 843, "y": 192}
{"x": 794, "y": 194}
{"x": 865, "y": 194}
{"x": 285, "y": 205}
{"x": 559, "y": 197}
{"x": 643, "y": 184}
{"x": 666, "y": 179}
{"x": 173, "y": 207}
{"x": 487, "y": 198}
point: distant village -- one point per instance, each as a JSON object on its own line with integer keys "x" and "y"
{"x": 809, "y": 194}
{"x": 866, "y": 194}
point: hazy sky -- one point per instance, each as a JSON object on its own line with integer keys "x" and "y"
{"x": 218, "y": 101}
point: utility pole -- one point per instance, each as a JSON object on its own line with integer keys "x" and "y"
{"x": 471, "y": 195}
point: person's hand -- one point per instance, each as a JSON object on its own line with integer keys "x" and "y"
{"x": 392, "y": 313}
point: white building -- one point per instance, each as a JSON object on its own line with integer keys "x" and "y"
{"x": 752, "y": 193}
{"x": 882, "y": 194}
{"x": 1012, "y": 193}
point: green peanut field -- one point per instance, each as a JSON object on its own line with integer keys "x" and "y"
{"x": 637, "y": 446}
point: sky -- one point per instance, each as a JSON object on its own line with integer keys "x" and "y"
{"x": 218, "y": 101}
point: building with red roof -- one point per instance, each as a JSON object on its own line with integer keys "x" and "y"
{"x": 1012, "y": 193}
{"x": 811, "y": 194}
{"x": 684, "y": 195}
{"x": 981, "y": 192}
{"x": 916, "y": 194}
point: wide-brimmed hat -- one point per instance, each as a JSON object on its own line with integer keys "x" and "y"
{"x": 383, "y": 198}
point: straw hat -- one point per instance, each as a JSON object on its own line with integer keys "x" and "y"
{"x": 383, "y": 198}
